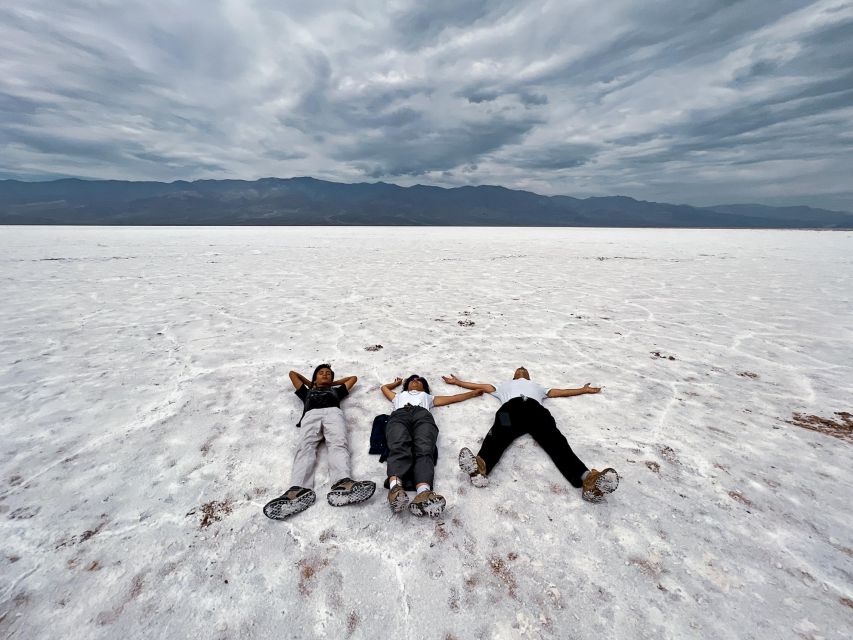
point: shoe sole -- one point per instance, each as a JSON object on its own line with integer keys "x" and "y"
{"x": 360, "y": 492}
{"x": 282, "y": 508}
{"x": 468, "y": 464}
{"x": 432, "y": 508}
{"x": 399, "y": 503}
{"x": 593, "y": 495}
{"x": 606, "y": 483}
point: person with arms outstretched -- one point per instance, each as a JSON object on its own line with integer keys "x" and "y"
{"x": 322, "y": 419}
{"x": 522, "y": 412}
{"x": 411, "y": 434}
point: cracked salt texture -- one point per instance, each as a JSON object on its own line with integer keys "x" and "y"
{"x": 146, "y": 417}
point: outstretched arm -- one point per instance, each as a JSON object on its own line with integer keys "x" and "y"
{"x": 451, "y": 379}
{"x": 440, "y": 401}
{"x": 297, "y": 379}
{"x": 386, "y": 388}
{"x": 565, "y": 393}
{"x": 349, "y": 382}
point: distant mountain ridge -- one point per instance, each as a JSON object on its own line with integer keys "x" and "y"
{"x": 309, "y": 201}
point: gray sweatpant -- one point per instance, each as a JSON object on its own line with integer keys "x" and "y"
{"x": 411, "y": 434}
{"x": 317, "y": 425}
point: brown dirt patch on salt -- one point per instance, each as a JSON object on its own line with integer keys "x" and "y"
{"x": 501, "y": 571}
{"x": 308, "y": 569}
{"x": 840, "y": 427}
{"x": 739, "y": 497}
{"x": 213, "y": 511}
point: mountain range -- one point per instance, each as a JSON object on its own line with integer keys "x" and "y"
{"x": 308, "y": 201}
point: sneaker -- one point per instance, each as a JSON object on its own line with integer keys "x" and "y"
{"x": 398, "y": 498}
{"x": 348, "y": 491}
{"x": 291, "y": 502}
{"x": 427, "y": 503}
{"x": 474, "y": 466}
{"x": 599, "y": 483}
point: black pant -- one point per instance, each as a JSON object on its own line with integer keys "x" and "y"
{"x": 523, "y": 415}
{"x": 411, "y": 434}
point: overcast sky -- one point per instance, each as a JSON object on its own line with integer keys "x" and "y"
{"x": 687, "y": 101}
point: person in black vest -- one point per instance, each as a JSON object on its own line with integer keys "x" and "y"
{"x": 322, "y": 419}
{"x": 522, "y": 412}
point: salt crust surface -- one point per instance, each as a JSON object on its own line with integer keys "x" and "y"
{"x": 143, "y": 375}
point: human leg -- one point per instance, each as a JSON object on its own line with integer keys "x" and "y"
{"x": 544, "y": 430}
{"x": 509, "y": 423}
{"x": 335, "y": 433}
{"x": 424, "y": 437}
{"x": 302, "y": 474}
{"x": 301, "y": 494}
{"x": 398, "y": 436}
{"x": 344, "y": 489}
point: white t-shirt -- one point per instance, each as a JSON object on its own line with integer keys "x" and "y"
{"x": 414, "y": 398}
{"x": 522, "y": 387}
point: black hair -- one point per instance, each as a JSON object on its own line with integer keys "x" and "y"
{"x": 325, "y": 365}
{"x": 415, "y": 377}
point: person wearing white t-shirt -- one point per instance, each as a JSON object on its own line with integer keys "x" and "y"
{"x": 411, "y": 434}
{"x": 522, "y": 413}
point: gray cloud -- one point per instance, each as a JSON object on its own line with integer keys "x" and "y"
{"x": 419, "y": 24}
{"x": 692, "y": 101}
{"x": 565, "y": 156}
{"x": 415, "y": 151}
{"x": 482, "y": 96}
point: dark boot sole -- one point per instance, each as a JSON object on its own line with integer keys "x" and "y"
{"x": 360, "y": 492}
{"x": 282, "y": 508}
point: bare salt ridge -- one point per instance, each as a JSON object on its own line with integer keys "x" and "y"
{"x": 146, "y": 417}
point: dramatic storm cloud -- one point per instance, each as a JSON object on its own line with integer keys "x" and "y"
{"x": 695, "y": 101}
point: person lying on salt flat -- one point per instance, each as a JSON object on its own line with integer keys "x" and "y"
{"x": 411, "y": 434}
{"x": 322, "y": 419}
{"x": 520, "y": 413}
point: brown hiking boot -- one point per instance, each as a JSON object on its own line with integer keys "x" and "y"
{"x": 599, "y": 483}
{"x": 398, "y": 498}
{"x": 427, "y": 503}
{"x": 474, "y": 466}
{"x": 348, "y": 491}
{"x": 291, "y": 502}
